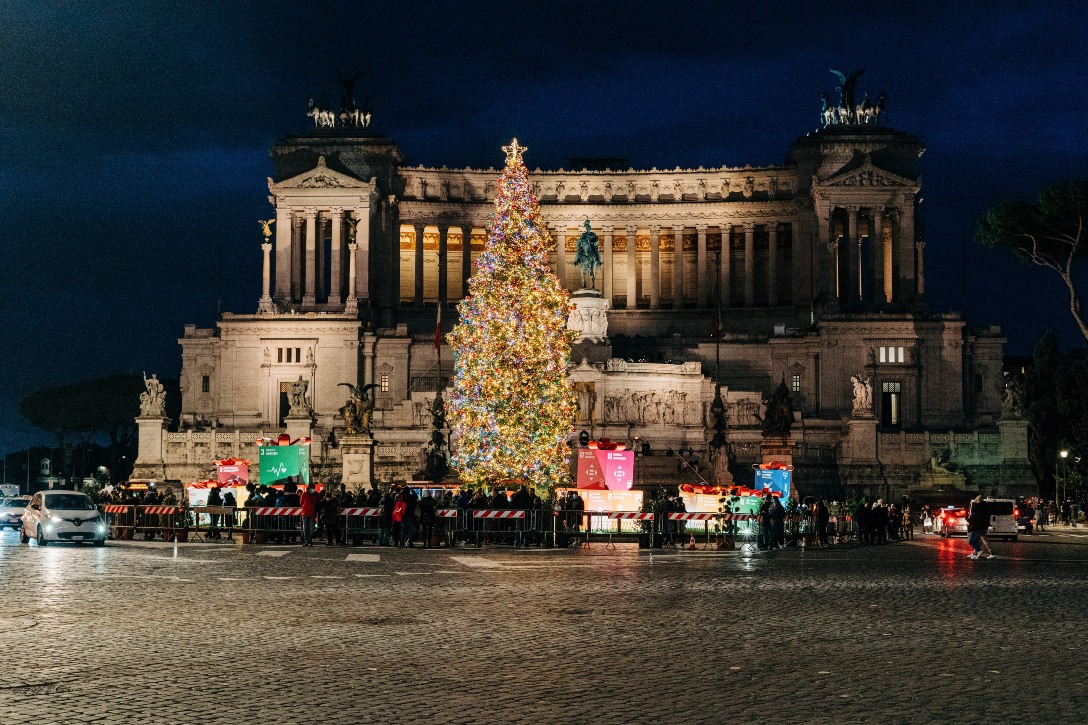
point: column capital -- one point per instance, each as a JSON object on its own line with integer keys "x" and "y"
{"x": 749, "y": 227}
{"x": 419, "y": 227}
{"x": 606, "y": 229}
{"x": 266, "y": 247}
{"x": 655, "y": 229}
{"x": 336, "y": 210}
{"x": 701, "y": 228}
{"x": 632, "y": 229}
{"x": 919, "y": 245}
{"x": 310, "y": 212}
{"x": 352, "y": 246}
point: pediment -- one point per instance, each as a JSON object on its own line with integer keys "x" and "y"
{"x": 319, "y": 177}
{"x": 868, "y": 174}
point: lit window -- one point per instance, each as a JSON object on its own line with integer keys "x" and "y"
{"x": 385, "y": 383}
{"x": 883, "y": 354}
{"x": 795, "y": 383}
{"x": 901, "y": 356}
{"x": 205, "y": 383}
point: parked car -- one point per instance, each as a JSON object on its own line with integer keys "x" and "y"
{"x": 62, "y": 516}
{"x": 951, "y": 521}
{"x": 11, "y": 511}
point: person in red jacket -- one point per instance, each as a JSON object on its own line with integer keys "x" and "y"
{"x": 308, "y": 500}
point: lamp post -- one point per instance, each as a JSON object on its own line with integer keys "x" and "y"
{"x": 1064, "y": 454}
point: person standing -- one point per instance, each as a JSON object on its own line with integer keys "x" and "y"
{"x": 427, "y": 508}
{"x": 823, "y": 518}
{"x": 308, "y": 503}
{"x": 408, "y": 525}
{"x": 778, "y": 520}
{"x": 330, "y": 519}
{"x": 977, "y": 523}
{"x": 215, "y": 500}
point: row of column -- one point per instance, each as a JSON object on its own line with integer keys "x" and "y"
{"x": 703, "y": 298}
{"x": 703, "y": 295}
{"x": 300, "y": 257}
{"x": 883, "y": 252}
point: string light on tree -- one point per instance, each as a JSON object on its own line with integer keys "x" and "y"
{"x": 512, "y": 406}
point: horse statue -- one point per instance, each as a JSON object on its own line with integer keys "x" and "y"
{"x": 323, "y": 118}
{"x": 588, "y": 258}
{"x": 827, "y": 111}
{"x": 864, "y": 111}
{"x": 880, "y": 112}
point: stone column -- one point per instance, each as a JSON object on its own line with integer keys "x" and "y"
{"x": 336, "y": 259}
{"x": 359, "y": 282}
{"x": 655, "y": 267}
{"x": 854, "y": 246}
{"x": 749, "y": 265}
{"x": 443, "y": 262}
{"x": 418, "y": 296}
{"x": 723, "y": 267}
{"x": 151, "y": 432}
{"x": 632, "y": 268}
{"x": 606, "y": 263}
{"x": 283, "y": 255}
{"x": 466, "y": 257}
{"x": 351, "y": 306}
{"x": 265, "y": 305}
{"x": 906, "y": 263}
{"x": 561, "y": 256}
{"x": 884, "y": 248}
{"x": 297, "y": 225}
{"x": 678, "y": 267}
{"x": 772, "y": 264}
{"x": 323, "y": 221}
{"x": 921, "y": 246}
{"x": 309, "y": 298}
{"x": 700, "y": 267}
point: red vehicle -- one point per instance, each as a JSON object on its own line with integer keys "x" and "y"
{"x": 951, "y": 521}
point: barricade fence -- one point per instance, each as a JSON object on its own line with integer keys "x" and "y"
{"x": 518, "y": 527}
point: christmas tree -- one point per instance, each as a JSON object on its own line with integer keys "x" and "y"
{"x": 512, "y": 405}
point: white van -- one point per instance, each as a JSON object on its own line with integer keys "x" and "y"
{"x": 1003, "y": 515}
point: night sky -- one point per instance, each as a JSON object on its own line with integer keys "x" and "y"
{"x": 134, "y": 136}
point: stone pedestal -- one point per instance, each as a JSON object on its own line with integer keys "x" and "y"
{"x": 589, "y": 318}
{"x": 861, "y": 440}
{"x": 1014, "y": 439}
{"x": 779, "y": 449}
{"x": 358, "y": 456}
{"x": 299, "y": 426}
{"x": 151, "y": 432}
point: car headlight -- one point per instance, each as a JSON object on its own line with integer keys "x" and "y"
{"x": 55, "y": 519}
{"x": 101, "y": 528}
{"x": 48, "y": 528}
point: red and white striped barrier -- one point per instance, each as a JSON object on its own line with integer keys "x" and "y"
{"x": 273, "y": 511}
{"x": 160, "y": 509}
{"x": 498, "y": 514}
{"x": 446, "y": 513}
{"x": 630, "y": 516}
{"x": 736, "y": 517}
{"x": 360, "y": 511}
{"x": 114, "y": 508}
{"x": 692, "y": 517}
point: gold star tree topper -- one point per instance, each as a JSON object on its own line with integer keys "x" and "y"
{"x": 514, "y": 152}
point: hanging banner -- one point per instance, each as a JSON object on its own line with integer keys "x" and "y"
{"x": 233, "y": 474}
{"x": 776, "y": 480}
{"x": 279, "y": 463}
{"x": 612, "y": 470}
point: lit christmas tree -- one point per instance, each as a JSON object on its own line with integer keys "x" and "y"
{"x": 512, "y": 405}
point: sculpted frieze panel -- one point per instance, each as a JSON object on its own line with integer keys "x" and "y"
{"x": 650, "y": 407}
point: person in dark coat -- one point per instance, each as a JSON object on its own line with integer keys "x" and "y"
{"x": 427, "y": 508}
{"x": 778, "y": 520}
{"x": 385, "y": 521}
{"x": 330, "y": 520}
{"x": 823, "y": 518}
{"x": 861, "y": 521}
{"x": 215, "y": 499}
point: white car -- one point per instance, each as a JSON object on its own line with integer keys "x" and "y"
{"x": 11, "y": 511}
{"x": 62, "y": 516}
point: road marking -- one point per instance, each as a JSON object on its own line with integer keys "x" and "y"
{"x": 280, "y": 577}
{"x": 322, "y": 576}
{"x": 412, "y": 573}
{"x": 237, "y": 579}
{"x": 370, "y": 558}
{"x": 273, "y": 553}
{"x": 477, "y": 561}
{"x": 362, "y": 576}
{"x": 450, "y": 571}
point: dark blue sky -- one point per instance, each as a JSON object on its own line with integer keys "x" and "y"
{"x": 134, "y": 135}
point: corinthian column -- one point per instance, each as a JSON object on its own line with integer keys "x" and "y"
{"x": 700, "y": 266}
{"x": 632, "y": 268}
{"x": 283, "y": 254}
{"x": 336, "y": 274}
{"x": 308, "y": 296}
{"x": 351, "y": 305}
{"x": 749, "y": 265}
{"x": 678, "y": 267}
{"x": 265, "y": 305}
{"x": 655, "y": 267}
{"x": 772, "y": 264}
{"x": 606, "y": 263}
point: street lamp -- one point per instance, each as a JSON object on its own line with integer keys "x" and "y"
{"x": 1065, "y": 473}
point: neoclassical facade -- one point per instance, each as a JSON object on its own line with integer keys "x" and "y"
{"x": 806, "y": 273}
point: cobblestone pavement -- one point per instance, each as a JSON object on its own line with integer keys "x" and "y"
{"x": 226, "y": 633}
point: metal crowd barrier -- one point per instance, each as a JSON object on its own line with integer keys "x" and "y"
{"x": 496, "y": 525}
{"x": 121, "y": 520}
{"x": 281, "y": 525}
{"x": 361, "y": 522}
{"x": 211, "y": 522}
{"x": 169, "y": 522}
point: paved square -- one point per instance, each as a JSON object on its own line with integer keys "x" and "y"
{"x": 909, "y": 632}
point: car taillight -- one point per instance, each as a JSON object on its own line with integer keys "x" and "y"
{"x": 1016, "y": 512}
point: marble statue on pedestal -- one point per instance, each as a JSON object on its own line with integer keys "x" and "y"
{"x": 588, "y": 258}
{"x": 863, "y": 394}
{"x": 296, "y": 397}
{"x": 359, "y": 409}
{"x": 153, "y": 400}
